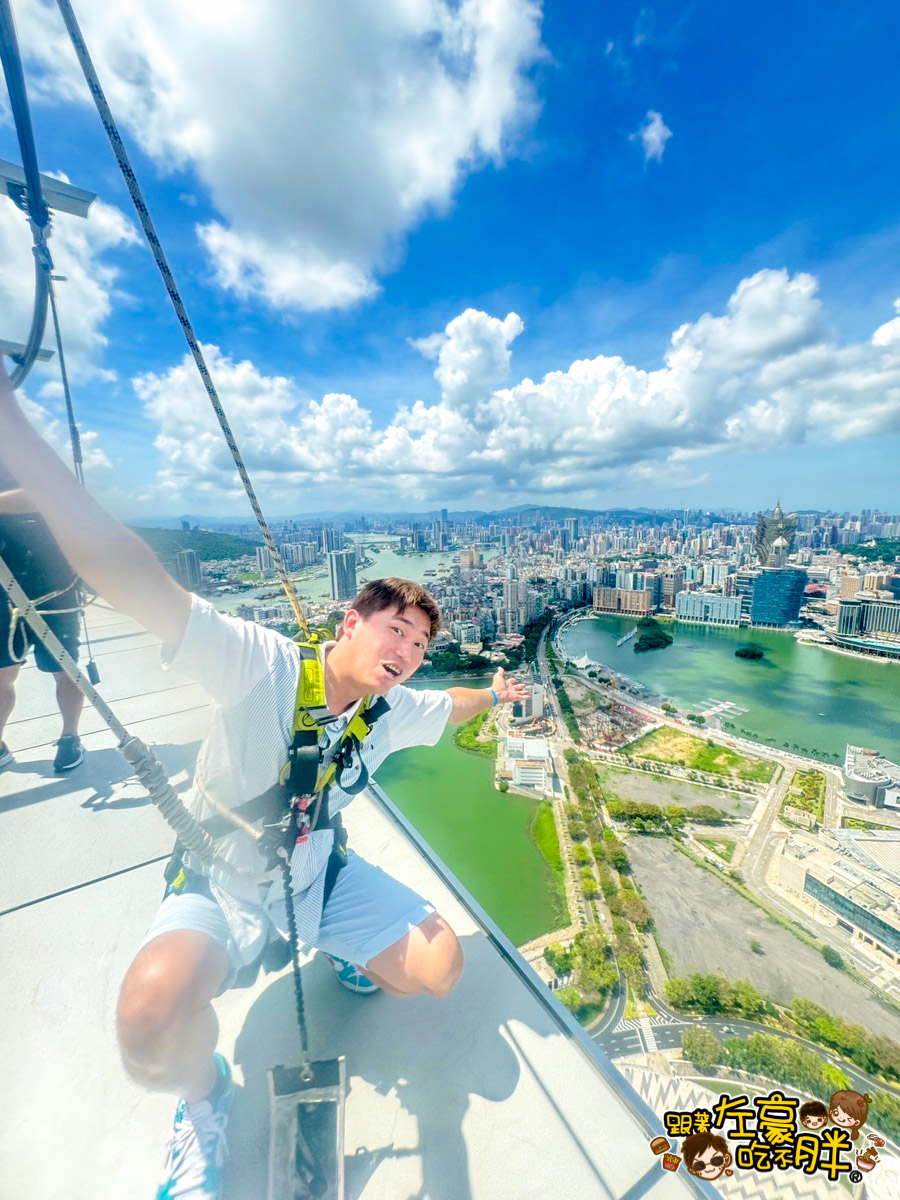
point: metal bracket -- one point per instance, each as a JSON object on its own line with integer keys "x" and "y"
{"x": 306, "y": 1132}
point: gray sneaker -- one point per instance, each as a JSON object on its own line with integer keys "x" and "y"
{"x": 69, "y": 753}
{"x": 5, "y": 755}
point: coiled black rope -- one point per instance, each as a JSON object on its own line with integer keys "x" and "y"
{"x": 31, "y": 198}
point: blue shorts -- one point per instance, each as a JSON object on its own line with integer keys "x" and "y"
{"x": 367, "y": 911}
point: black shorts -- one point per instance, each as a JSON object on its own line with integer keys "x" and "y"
{"x": 36, "y": 561}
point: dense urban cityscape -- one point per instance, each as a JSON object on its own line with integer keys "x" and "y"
{"x": 665, "y": 819}
{"x": 836, "y": 576}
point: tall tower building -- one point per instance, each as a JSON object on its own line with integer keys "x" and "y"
{"x": 342, "y": 574}
{"x": 188, "y": 571}
{"x": 777, "y": 596}
{"x": 769, "y": 528}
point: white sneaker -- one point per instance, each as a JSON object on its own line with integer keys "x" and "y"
{"x": 197, "y": 1148}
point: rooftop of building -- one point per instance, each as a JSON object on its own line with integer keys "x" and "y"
{"x": 863, "y": 763}
{"x": 855, "y": 864}
{"x": 492, "y": 1093}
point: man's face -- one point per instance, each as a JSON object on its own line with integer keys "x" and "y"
{"x": 710, "y": 1164}
{"x": 387, "y": 647}
{"x": 814, "y": 1121}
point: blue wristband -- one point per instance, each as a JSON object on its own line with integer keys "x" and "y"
{"x": 496, "y": 697}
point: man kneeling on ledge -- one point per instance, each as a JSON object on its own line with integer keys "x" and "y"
{"x": 376, "y": 932}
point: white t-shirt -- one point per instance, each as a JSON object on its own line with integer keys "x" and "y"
{"x": 251, "y": 675}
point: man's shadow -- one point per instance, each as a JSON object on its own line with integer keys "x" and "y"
{"x": 103, "y": 771}
{"x": 430, "y": 1055}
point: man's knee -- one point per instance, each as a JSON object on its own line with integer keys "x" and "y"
{"x": 429, "y": 959}
{"x": 173, "y": 977}
{"x": 447, "y": 966}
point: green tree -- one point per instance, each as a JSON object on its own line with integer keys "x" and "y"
{"x": 571, "y": 998}
{"x": 560, "y": 959}
{"x": 702, "y": 1048}
{"x": 679, "y": 992}
{"x": 832, "y": 957}
{"x": 636, "y": 910}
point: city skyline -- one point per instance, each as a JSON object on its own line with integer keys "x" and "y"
{"x": 568, "y": 256}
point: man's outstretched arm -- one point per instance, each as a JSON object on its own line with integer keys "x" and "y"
{"x": 110, "y": 558}
{"x": 469, "y": 702}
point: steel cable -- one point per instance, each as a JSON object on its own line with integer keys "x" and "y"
{"x": 137, "y": 199}
{"x": 31, "y": 198}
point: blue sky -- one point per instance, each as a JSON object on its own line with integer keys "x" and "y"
{"x": 443, "y": 251}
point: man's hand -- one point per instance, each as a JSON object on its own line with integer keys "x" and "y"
{"x": 469, "y": 702}
{"x": 509, "y": 691}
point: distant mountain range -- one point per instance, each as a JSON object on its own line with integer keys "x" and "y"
{"x": 515, "y": 513}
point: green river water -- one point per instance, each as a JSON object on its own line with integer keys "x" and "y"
{"x": 481, "y": 834}
{"x": 806, "y": 695}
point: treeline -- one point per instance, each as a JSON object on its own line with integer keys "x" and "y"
{"x": 644, "y": 817}
{"x": 790, "y": 1063}
{"x": 562, "y": 698}
{"x": 450, "y": 660}
{"x": 871, "y": 1052}
{"x": 714, "y": 995}
{"x": 165, "y": 543}
{"x": 590, "y": 961}
{"x": 466, "y": 737}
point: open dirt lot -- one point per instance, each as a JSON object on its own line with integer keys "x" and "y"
{"x": 707, "y": 927}
{"x": 650, "y": 789}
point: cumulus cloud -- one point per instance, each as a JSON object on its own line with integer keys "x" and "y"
{"x": 79, "y": 248}
{"x": 85, "y": 300}
{"x": 653, "y": 135}
{"x": 322, "y": 133}
{"x": 767, "y": 371}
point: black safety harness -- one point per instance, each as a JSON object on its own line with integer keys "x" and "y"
{"x": 297, "y": 806}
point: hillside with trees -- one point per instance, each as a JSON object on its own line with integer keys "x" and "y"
{"x": 165, "y": 543}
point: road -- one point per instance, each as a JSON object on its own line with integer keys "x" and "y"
{"x": 619, "y": 1038}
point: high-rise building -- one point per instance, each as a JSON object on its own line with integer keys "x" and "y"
{"x": 265, "y": 564}
{"x": 330, "y": 539}
{"x": 867, "y": 615}
{"x": 672, "y": 584}
{"x": 572, "y": 530}
{"x": 622, "y": 600}
{"x": 342, "y": 574}
{"x": 707, "y": 608}
{"x": 777, "y": 596}
{"x": 188, "y": 571}
{"x": 770, "y": 527}
{"x": 744, "y": 582}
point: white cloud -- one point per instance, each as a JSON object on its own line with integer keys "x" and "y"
{"x": 765, "y": 372}
{"x": 55, "y": 430}
{"x": 323, "y": 133}
{"x": 653, "y": 135}
{"x": 79, "y": 248}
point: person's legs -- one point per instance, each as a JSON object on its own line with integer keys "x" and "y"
{"x": 166, "y": 1025}
{"x": 389, "y": 931}
{"x": 428, "y": 959}
{"x": 7, "y": 694}
{"x": 70, "y": 701}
